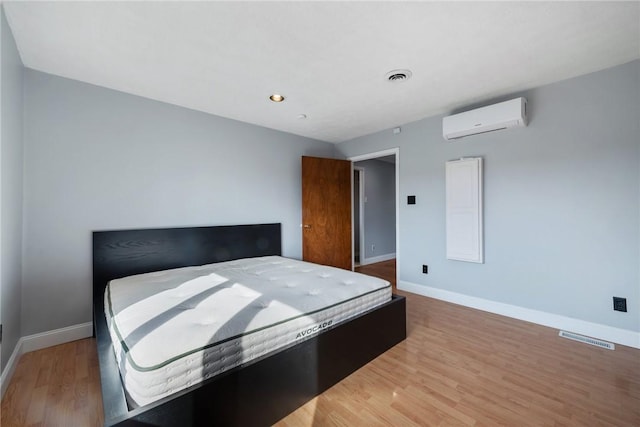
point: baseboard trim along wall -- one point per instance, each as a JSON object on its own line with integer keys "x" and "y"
{"x": 594, "y": 330}
{"x": 379, "y": 258}
{"x": 10, "y": 368}
{"x": 39, "y": 341}
{"x": 57, "y": 336}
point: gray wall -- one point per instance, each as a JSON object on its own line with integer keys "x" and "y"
{"x": 379, "y": 208}
{"x": 561, "y": 204}
{"x": 11, "y": 156}
{"x": 100, "y": 159}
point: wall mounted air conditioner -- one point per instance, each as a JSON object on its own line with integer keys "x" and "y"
{"x": 504, "y": 115}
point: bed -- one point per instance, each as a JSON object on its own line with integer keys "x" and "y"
{"x": 258, "y": 392}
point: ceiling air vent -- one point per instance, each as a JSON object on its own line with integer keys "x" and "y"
{"x": 396, "y": 76}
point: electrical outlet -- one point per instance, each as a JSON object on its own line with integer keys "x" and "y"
{"x": 373, "y": 248}
{"x": 425, "y": 269}
{"x": 620, "y": 304}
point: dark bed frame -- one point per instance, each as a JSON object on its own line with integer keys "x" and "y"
{"x": 259, "y": 392}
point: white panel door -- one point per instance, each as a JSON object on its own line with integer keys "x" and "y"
{"x": 464, "y": 210}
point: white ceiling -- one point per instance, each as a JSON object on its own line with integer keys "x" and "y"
{"x": 328, "y": 58}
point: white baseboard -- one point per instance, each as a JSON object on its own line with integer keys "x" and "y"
{"x": 57, "y": 336}
{"x": 379, "y": 258}
{"x": 10, "y": 368}
{"x": 594, "y": 330}
{"x": 39, "y": 341}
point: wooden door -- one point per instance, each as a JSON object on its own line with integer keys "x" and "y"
{"x": 326, "y": 211}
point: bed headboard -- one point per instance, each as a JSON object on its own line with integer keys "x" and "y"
{"x": 121, "y": 253}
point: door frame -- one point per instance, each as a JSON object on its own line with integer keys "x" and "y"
{"x": 360, "y": 216}
{"x": 374, "y": 155}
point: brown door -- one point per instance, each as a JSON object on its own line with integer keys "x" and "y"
{"x": 326, "y": 211}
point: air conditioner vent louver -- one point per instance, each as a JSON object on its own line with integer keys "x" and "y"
{"x": 587, "y": 340}
{"x": 504, "y": 115}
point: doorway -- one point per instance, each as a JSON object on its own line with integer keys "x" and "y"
{"x": 376, "y": 211}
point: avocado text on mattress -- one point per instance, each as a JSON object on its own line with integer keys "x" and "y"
{"x": 314, "y": 329}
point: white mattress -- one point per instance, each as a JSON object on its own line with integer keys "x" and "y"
{"x": 174, "y": 328}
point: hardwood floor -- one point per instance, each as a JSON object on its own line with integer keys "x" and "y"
{"x": 458, "y": 366}
{"x": 56, "y": 386}
{"x": 385, "y": 270}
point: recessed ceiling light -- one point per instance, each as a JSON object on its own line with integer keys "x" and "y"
{"x": 396, "y": 76}
{"x": 276, "y": 97}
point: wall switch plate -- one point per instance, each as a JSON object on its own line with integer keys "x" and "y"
{"x": 425, "y": 269}
{"x": 620, "y": 304}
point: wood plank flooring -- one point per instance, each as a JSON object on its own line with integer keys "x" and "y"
{"x": 384, "y": 270}
{"x": 458, "y": 366}
{"x": 56, "y": 386}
